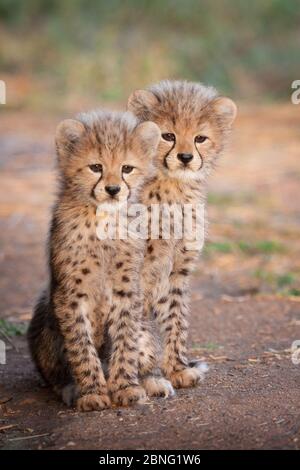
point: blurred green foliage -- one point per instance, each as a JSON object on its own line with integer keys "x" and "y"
{"x": 103, "y": 49}
{"x": 265, "y": 247}
{"x": 12, "y": 329}
{"x": 285, "y": 284}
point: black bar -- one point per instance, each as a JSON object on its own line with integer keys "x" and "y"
{"x": 142, "y": 458}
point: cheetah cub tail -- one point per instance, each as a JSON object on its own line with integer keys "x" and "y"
{"x": 202, "y": 367}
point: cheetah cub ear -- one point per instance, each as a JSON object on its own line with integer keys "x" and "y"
{"x": 68, "y": 134}
{"x": 140, "y": 102}
{"x": 225, "y": 109}
{"x": 146, "y": 137}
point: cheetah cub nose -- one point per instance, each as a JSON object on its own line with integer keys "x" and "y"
{"x": 185, "y": 158}
{"x": 113, "y": 189}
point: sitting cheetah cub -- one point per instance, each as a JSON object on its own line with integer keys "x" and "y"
{"x": 94, "y": 293}
{"x": 194, "y": 123}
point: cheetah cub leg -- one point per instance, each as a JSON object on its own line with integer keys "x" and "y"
{"x": 90, "y": 392}
{"x": 123, "y": 327}
{"x": 71, "y": 396}
{"x": 153, "y": 383}
{"x": 174, "y": 325}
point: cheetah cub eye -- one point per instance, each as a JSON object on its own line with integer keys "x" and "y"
{"x": 169, "y": 136}
{"x": 199, "y": 139}
{"x": 127, "y": 168}
{"x": 96, "y": 167}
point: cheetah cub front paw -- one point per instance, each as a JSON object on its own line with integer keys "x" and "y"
{"x": 93, "y": 402}
{"x": 188, "y": 377}
{"x": 129, "y": 395}
{"x": 158, "y": 387}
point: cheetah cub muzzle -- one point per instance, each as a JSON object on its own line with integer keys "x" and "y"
{"x": 93, "y": 301}
{"x": 195, "y": 123}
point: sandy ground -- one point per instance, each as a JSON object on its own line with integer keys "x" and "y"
{"x": 245, "y": 308}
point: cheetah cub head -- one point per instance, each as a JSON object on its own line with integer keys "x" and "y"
{"x": 105, "y": 157}
{"x": 194, "y": 123}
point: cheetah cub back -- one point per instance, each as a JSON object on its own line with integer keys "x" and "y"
{"x": 93, "y": 297}
{"x": 195, "y": 123}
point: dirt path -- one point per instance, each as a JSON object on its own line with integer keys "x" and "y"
{"x": 245, "y": 308}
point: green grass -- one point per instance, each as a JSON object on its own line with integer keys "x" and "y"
{"x": 267, "y": 247}
{"x": 264, "y": 276}
{"x": 210, "y": 346}
{"x": 294, "y": 292}
{"x": 218, "y": 247}
{"x": 217, "y": 199}
{"x": 226, "y": 199}
{"x": 264, "y": 247}
{"x": 285, "y": 280}
{"x": 102, "y": 50}
{"x": 12, "y": 329}
{"x": 284, "y": 284}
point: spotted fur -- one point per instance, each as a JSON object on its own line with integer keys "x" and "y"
{"x": 183, "y": 110}
{"x": 93, "y": 301}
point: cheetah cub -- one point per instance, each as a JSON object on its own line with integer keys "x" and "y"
{"x": 94, "y": 296}
{"x": 194, "y": 123}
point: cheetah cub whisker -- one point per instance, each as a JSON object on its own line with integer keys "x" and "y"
{"x": 195, "y": 123}
{"x": 94, "y": 297}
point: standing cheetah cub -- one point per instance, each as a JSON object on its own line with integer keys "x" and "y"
{"x": 194, "y": 123}
{"x": 94, "y": 292}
